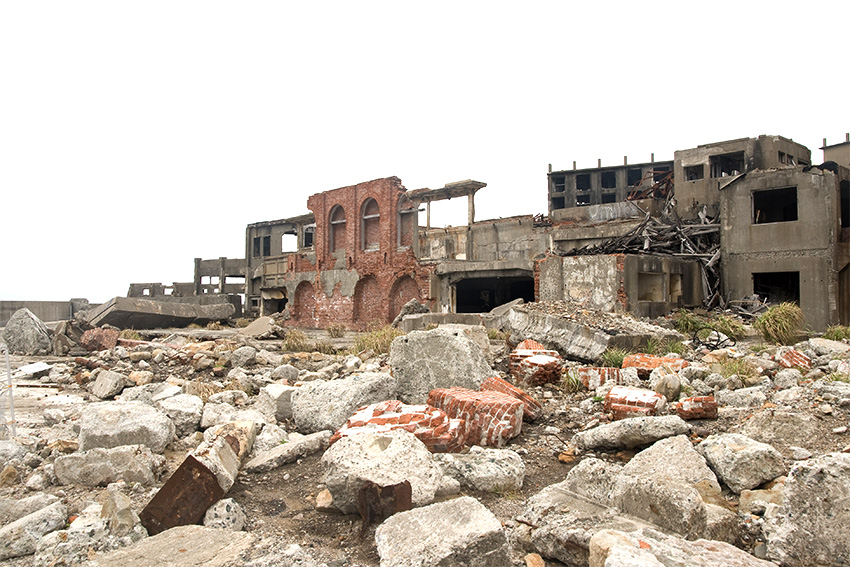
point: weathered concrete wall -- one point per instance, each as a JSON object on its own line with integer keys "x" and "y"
{"x": 514, "y": 238}
{"x": 594, "y": 281}
{"x": 656, "y": 285}
{"x": 44, "y": 310}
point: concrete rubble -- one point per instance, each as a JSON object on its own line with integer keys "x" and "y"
{"x": 671, "y": 460}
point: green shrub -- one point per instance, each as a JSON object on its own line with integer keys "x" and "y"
{"x": 781, "y": 323}
{"x": 837, "y": 333}
{"x": 739, "y": 367}
{"x": 496, "y": 335}
{"x": 295, "y": 341}
{"x": 836, "y": 377}
{"x": 688, "y": 322}
{"x": 570, "y": 381}
{"x": 377, "y": 339}
{"x": 613, "y": 357}
{"x": 336, "y": 330}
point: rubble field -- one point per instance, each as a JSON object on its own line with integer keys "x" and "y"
{"x": 221, "y": 448}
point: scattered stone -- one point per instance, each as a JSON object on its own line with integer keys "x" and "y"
{"x": 384, "y": 459}
{"x": 787, "y": 378}
{"x": 740, "y": 462}
{"x": 243, "y": 356}
{"x": 294, "y": 448}
{"x": 185, "y": 412}
{"x": 631, "y": 433}
{"x": 108, "y": 384}
{"x": 809, "y": 529}
{"x": 118, "y": 512}
{"x": 26, "y": 334}
{"x": 781, "y": 427}
{"x": 141, "y": 377}
{"x": 100, "y": 467}
{"x": 422, "y": 361}
{"x": 226, "y": 514}
{"x": 21, "y": 536}
{"x": 459, "y": 532}
{"x": 743, "y": 398}
{"x": 673, "y": 506}
{"x": 410, "y": 308}
{"x": 321, "y": 405}
{"x": 285, "y": 372}
{"x": 487, "y": 470}
{"x": 100, "y": 338}
{"x": 12, "y": 509}
{"x": 276, "y": 401}
{"x": 594, "y": 479}
{"x": 112, "y": 424}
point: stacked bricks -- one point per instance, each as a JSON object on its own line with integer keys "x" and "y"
{"x": 624, "y": 402}
{"x": 430, "y": 425}
{"x": 795, "y": 359}
{"x": 532, "y": 363}
{"x": 593, "y": 377}
{"x": 491, "y": 417}
{"x": 646, "y": 363}
{"x": 531, "y": 407}
{"x": 697, "y": 407}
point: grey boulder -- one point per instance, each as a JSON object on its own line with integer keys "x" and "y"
{"x": 740, "y": 462}
{"x": 321, "y": 405}
{"x": 112, "y": 424}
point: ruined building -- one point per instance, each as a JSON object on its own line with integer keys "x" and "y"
{"x": 717, "y": 224}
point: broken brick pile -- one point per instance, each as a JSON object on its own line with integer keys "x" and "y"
{"x": 794, "y": 359}
{"x": 646, "y": 363}
{"x": 624, "y": 402}
{"x": 697, "y": 407}
{"x": 431, "y": 425}
{"x": 592, "y": 377}
{"x": 531, "y": 407}
{"x": 531, "y": 363}
{"x": 491, "y": 417}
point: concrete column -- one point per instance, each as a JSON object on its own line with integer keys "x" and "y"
{"x": 427, "y": 214}
{"x": 197, "y": 276}
{"x": 471, "y": 209}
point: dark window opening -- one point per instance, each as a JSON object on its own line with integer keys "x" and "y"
{"x": 633, "y": 177}
{"x": 559, "y": 184}
{"x": 781, "y": 157}
{"x": 583, "y": 199}
{"x": 609, "y": 180}
{"x": 777, "y": 287}
{"x": 583, "y": 182}
{"x": 256, "y": 248}
{"x": 727, "y": 164}
{"x": 609, "y": 197}
{"x": 659, "y": 173}
{"x": 675, "y": 289}
{"x": 309, "y": 236}
{"x": 267, "y": 246}
{"x": 694, "y": 172}
{"x": 845, "y": 211}
{"x": 479, "y": 295}
{"x": 338, "y": 235}
{"x": 558, "y": 203}
{"x": 775, "y": 205}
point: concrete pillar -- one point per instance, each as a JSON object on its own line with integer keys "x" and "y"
{"x": 471, "y": 209}
{"x": 197, "y": 276}
{"x": 427, "y": 214}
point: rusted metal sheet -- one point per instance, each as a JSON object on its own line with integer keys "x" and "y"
{"x": 183, "y": 499}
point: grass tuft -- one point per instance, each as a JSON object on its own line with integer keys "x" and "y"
{"x": 571, "y": 382}
{"x": 837, "y": 333}
{"x": 295, "y": 341}
{"x": 336, "y": 330}
{"x": 377, "y": 339}
{"x": 613, "y": 357}
{"x": 781, "y": 323}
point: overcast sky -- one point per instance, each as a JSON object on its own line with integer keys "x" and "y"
{"x": 136, "y": 136}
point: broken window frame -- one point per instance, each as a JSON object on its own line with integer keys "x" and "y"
{"x": 695, "y": 172}
{"x": 367, "y": 220}
{"x": 337, "y": 224}
{"x": 406, "y": 210}
{"x": 774, "y": 205}
{"x": 726, "y": 165}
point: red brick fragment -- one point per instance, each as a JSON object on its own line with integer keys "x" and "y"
{"x": 530, "y": 344}
{"x": 795, "y": 359}
{"x": 697, "y": 407}
{"x": 593, "y": 377}
{"x": 430, "y": 425}
{"x": 646, "y": 363}
{"x": 540, "y": 369}
{"x": 99, "y": 338}
{"x": 491, "y": 417}
{"x": 624, "y": 402}
{"x": 531, "y": 407}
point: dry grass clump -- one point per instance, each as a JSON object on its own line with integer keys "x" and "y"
{"x": 130, "y": 334}
{"x": 781, "y": 323}
{"x": 613, "y": 357}
{"x": 377, "y": 339}
{"x": 336, "y": 330}
{"x": 837, "y": 333}
{"x": 688, "y": 322}
{"x": 295, "y": 341}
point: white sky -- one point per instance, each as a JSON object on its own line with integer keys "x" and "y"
{"x": 136, "y": 136}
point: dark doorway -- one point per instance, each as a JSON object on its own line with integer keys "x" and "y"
{"x": 479, "y": 295}
{"x": 778, "y": 287}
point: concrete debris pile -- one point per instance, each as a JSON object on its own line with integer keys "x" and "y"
{"x": 737, "y": 456}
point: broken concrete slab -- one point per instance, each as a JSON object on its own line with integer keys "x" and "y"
{"x": 296, "y": 447}
{"x": 631, "y": 433}
{"x": 740, "y": 462}
{"x": 458, "y": 532}
{"x": 321, "y": 404}
{"x": 12, "y": 509}
{"x": 487, "y": 470}
{"x": 21, "y": 536}
{"x": 135, "y": 313}
{"x": 26, "y": 334}
{"x": 424, "y": 360}
{"x": 112, "y": 424}
{"x": 99, "y": 467}
{"x": 184, "y": 546}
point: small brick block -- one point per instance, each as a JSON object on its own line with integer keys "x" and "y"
{"x": 530, "y": 344}
{"x": 624, "y": 401}
{"x": 795, "y": 359}
{"x": 531, "y": 407}
{"x": 646, "y": 363}
{"x": 592, "y": 377}
{"x": 491, "y": 417}
{"x": 697, "y": 407}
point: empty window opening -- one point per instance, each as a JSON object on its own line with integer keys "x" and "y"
{"x": 583, "y": 199}
{"x": 267, "y": 246}
{"x": 257, "y": 246}
{"x": 609, "y": 197}
{"x": 230, "y": 280}
{"x": 168, "y": 291}
{"x": 338, "y": 234}
{"x": 558, "y": 203}
{"x": 675, "y": 288}
{"x": 407, "y": 216}
{"x": 781, "y": 157}
{"x": 146, "y": 291}
{"x": 845, "y": 210}
{"x": 609, "y": 179}
{"x": 309, "y": 235}
{"x": 559, "y": 184}
{"x": 695, "y": 172}
{"x": 651, "y": 287}
{"x": 659, "y": 173}
{"x": 777, "y": 287}
{"x": 775, "y": 205}
{"x": 727, "y": 164}
{"x": 288, "y": 242}
{"x": 583, "y": 182}
{"x": 370, "y": 227}
{"x": 633, "y": 177}
{"x": 479, "y": 295}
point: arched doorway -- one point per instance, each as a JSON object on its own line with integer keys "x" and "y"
{"x": 304, "y": 308}
{"x": 369, "y": 306}
{"x": 403, "y": 290}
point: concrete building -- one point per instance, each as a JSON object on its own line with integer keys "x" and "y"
{"x": 839, "y": 153}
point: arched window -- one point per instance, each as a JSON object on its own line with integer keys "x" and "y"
{"x": 407, "y": 218}
{"x": 337, "y": 231}
{"x": 370, "y": 217}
